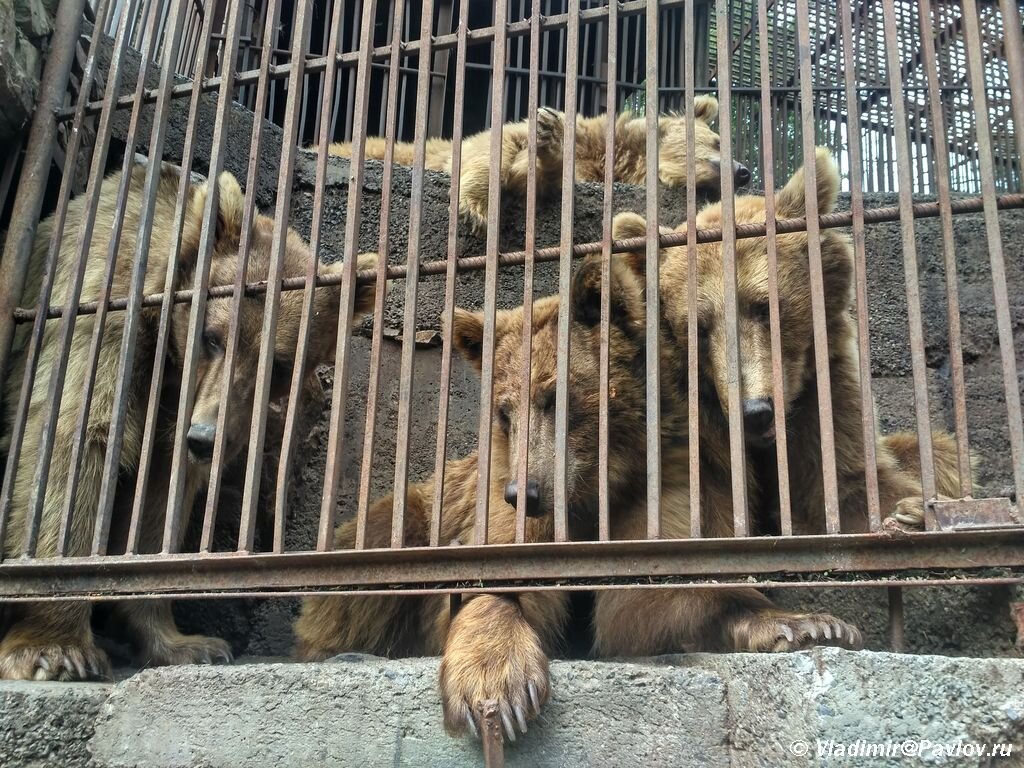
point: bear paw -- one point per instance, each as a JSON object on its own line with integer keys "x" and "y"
{"x": 550, "y": 129}
{"x": 909, "y": 514}
{"x": 501, "y": 663}
{"x": 186, "y": 649}
{"x": 774, "y": 632}
{"x": 63, "y": 661}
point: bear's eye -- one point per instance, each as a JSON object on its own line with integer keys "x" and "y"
{"x": 547, "y": 402}
{"x": 760, "y": 311}
{"x": 703, "y": 329}
{"x": 213, "y": 342}
{"x": 504, "y": 420}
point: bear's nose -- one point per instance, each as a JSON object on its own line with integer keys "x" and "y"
{"x": 758, "y": 416}
{"x": 741, "y": 175}
{"x": 532, "y": 496}
{"x": 200, "y": 439}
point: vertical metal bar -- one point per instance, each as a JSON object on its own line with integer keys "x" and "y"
{"x": 412, "y": 275}
{"x": 995, "y": 242}
{"x": 272, "y": 305}
{"x": 604, "y": 527}
{"x": 561, "y": 507}
{"x": 896, "y": 627}
{"x": 917, "y": 354}
{"x": 775, "y": 321}
{"x": 692, "y": 342}
{"x": 821, "y": 361}
{"x": 523, "y": 453}
{"x": 737, "y": 448}
{"x": 186, "y": 397}
{"x": 653, "y": 330}
{"x": 373, "y": 385}
{"x": 853, "y": 144}
{"x": 217, "y": 464}
{"x": 25, "y": 214}
{"x": 101, "y": 527}
{"x": 444, "y": 391}
{"x": 83, "y": 243}
{"x": 149, "y": 434}
{"x": 490, "y": 734}
{"x": 1013, "y": 40}
{"x": 937, "y": 144}
{"x": 306, "y": 320}
{"x": 336, "y": 436}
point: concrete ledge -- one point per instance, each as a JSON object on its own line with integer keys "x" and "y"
{"x": 699, "y": 710}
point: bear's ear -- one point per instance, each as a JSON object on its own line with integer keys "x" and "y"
{"x": 365, "y": 292}
{"x": 705, "y": 108}
{"x": 789, "y": 201}
{"x": 626, "y": 302}
{"x": 627, "y": 226}
{"x": 230, "y": 204}
{"x": 468, "y": 333}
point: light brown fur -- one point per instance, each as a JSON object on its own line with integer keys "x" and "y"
{"x": 497, "y": 647}
{"x": 54, "y": 640}
{"x": 899, "y": 491}
{"x": 629, "y": 165}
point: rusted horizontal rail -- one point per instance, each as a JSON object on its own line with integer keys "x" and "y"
{"x": 383, "y": 53}
{"x": 517, "y": 258}
{"x": 955, "y": 557}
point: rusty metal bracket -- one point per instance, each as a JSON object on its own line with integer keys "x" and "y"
{"x": 490, "y": 734}
{"x": 974, "y": 514}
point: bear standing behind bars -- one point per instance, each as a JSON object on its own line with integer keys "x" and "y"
{"x": 53, "y": 640}
{"x": 497, "y": 647}
{"x": 629, "y": 165}
{"x": 899, "y": 476}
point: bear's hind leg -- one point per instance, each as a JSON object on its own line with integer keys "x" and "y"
{"x": 159, "y": 642}
{"x": 52, "y": 641}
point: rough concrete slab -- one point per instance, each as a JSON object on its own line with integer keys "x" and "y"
{"x": 695, "y": 710}
{"x": 48, "y": 724}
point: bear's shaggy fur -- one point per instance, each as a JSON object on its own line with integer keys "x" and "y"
{"x": 900, "y": 491}
{"x": 497, "y": 647}
{"x": 629, "y": 165}
{"x": 53, "y": 640}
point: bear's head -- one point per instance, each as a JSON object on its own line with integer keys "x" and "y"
{"x": 626, "y": 413}
{"x": 752, "y": 274}
{"x": 213, "y": 337}
{"x": 707, "y": 151}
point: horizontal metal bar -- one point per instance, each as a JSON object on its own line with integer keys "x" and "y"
{"x": 517, "y": 258}
{"x": 715, "y": 562}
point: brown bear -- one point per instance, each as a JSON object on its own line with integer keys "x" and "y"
{"x": 629, "y": 167}
{"x": 900, "y": 491}
{"x": 497, "y": 647}
{"x": 53, "y": 640}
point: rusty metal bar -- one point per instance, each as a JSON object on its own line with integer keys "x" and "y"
{"x": 490, "y": 733}
{"x": 774, "y": 321}
{"x": 272, "y": 305}
{"x": 383, "y": 247}
{"x": 737, "y": 447}
{"x": 336, "y": 437}
{"x": 497, "y": 96}
{"x": 611, "y": 99}
{"x": 821, "y": 354}
{"x": 1005, "y": 202}
{"x": 451, "y": 268}
{"x": 941, "y": 159}
{"x": 28, "y": 200}
{"x": 412, "y": 278}
{"x": 1004, "y": 322}
{"x": 525, "y": 400}
{"x": 897, "y": 637}
{"x": 867, "y": 402}
{"x": 249, "y": 213}
{"x": 24, "y": 219}
{"x": 854, "y": 560}
{"x": 692, "y": 338}
{"x": 479, "y": 36}
{"x": 299, "y": 372}
{"x": 165, "y": 302}
{"x": 1014, "y": 41}
{"x": 55, "y": 392}
{"x": 653, "y": 299}
{"x": 917, "y": 352}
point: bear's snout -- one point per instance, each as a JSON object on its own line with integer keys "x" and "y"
{"x": 200, "y": 440}
{"x": 759, "y": 421}
{"x": 741, "y": 174}
{"x": 532, "y": 496}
